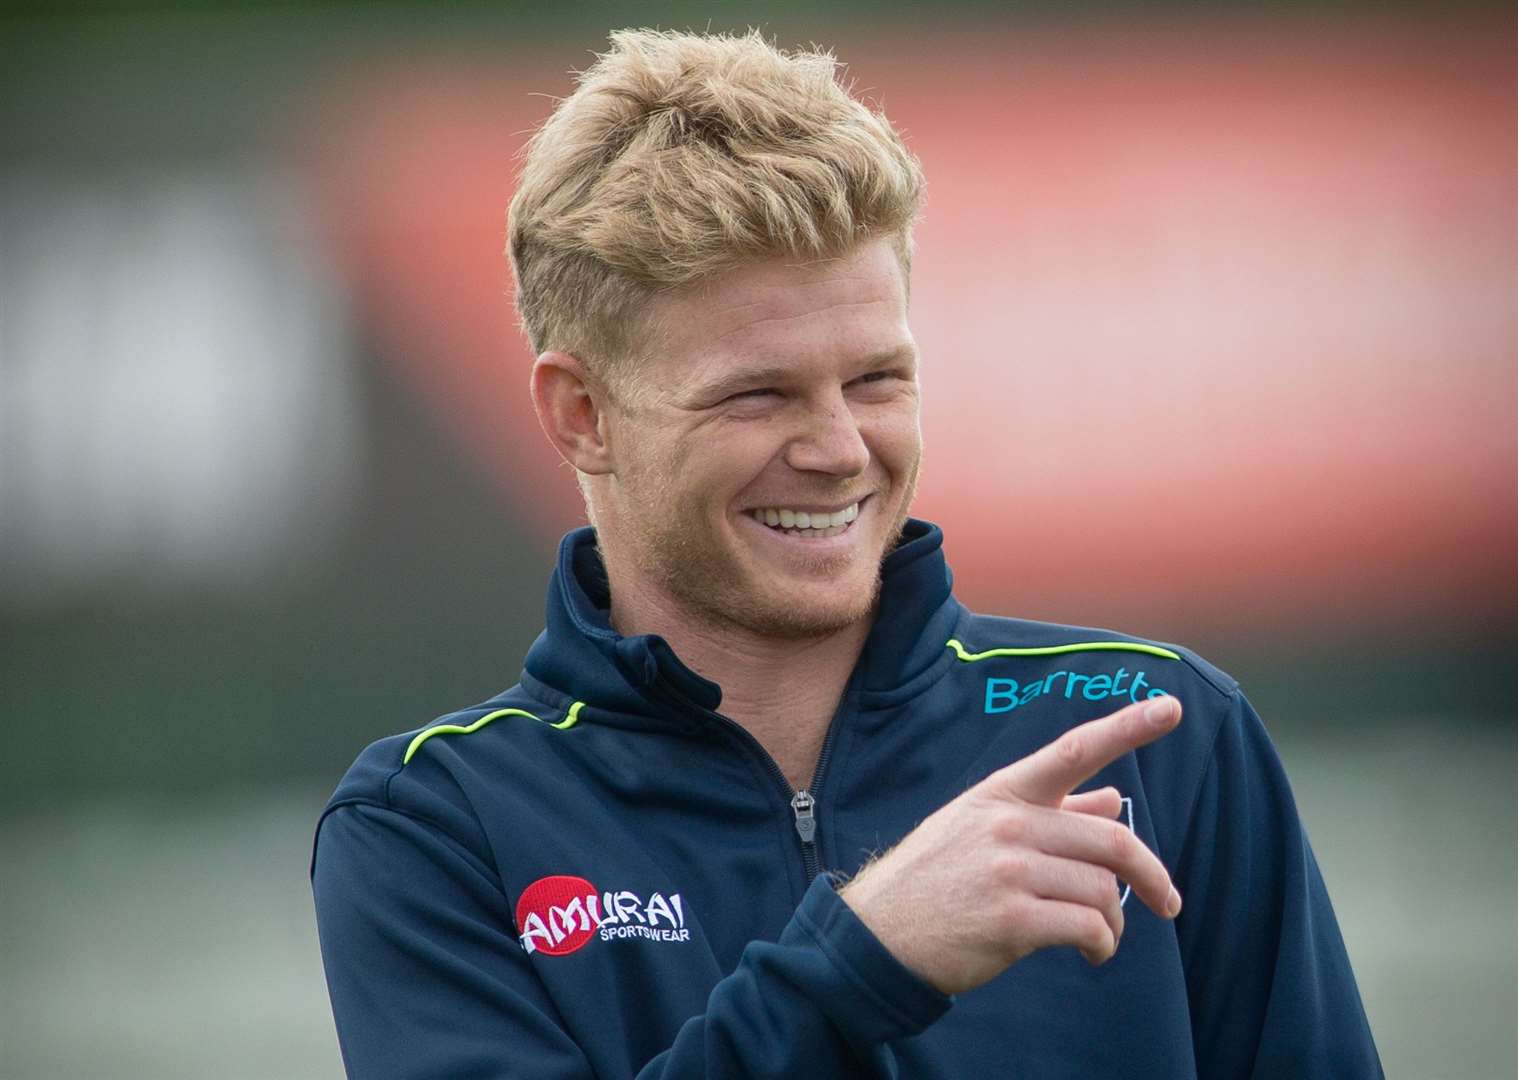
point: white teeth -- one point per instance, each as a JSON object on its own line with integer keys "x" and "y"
{"x": 816, "y": 525}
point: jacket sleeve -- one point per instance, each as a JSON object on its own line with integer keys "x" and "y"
{"x": 1268, "y": 978}
{"x": 427, "y": 979}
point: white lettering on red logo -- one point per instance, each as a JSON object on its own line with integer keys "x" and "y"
{"x": 560, "y": 913}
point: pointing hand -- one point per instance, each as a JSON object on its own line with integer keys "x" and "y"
{"x": 1017, "y": 863}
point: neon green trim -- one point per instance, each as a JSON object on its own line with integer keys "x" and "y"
{"x": 570, "y": 718}
{"x": 1055, "y": 650}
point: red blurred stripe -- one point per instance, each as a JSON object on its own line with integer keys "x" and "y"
{"x": 1214, "y": 321}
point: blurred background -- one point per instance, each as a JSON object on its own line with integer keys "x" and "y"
{"x": 1219, "y": 317}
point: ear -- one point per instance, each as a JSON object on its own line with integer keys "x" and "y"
{"x": 571, "y": 408}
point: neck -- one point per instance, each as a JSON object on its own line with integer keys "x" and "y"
{"x": 784, "y": 692}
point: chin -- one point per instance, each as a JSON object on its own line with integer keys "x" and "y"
{"x": 799, "y": 621}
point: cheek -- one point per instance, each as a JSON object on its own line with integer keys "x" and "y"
{"x": 733, "y": 459}
{"x": 651, "y": 460}
{"x": 896, "y": 440}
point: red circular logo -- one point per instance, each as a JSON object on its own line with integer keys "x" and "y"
{"x": 558, "y": 914}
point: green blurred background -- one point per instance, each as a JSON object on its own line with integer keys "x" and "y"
{"x": 256, "y": 509}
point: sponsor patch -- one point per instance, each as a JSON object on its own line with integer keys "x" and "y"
{"x": 558, "y": 914}
{"x": 1004, "y": 695}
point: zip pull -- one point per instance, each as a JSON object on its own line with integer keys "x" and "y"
{"x": 806, "y": 821}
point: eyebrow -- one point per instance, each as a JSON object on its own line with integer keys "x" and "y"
{"x": 724, "y": 385}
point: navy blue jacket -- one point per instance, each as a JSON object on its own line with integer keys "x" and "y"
{"x": 595, "y": 874}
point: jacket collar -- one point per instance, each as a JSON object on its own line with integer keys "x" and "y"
{"x": 636, "y": 679}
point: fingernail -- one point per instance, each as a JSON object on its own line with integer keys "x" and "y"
{"x": 1159, "y": 710}
{"x": 1173, "y": 903}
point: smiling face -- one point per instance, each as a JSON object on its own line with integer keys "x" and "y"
{"x": 765, "y": 458}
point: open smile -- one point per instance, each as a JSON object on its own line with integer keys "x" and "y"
{"x": 809, "y": 524}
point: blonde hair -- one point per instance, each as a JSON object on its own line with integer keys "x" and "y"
{"x": 679, "y": 156}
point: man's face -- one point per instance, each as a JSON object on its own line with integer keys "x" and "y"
{"x": 783, "y": 398}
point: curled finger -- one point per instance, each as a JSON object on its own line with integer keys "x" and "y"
{"x": 1050, "y": 877}
{"x": 1104, "y": 802}
{"x": 1112, "y": 845}
{"x": 1059, "y": 922}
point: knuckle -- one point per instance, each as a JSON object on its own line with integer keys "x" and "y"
{"x": 1095, "y": 934}
{"x": 1010, "y": 826}
{"x": 1010, "y": 868}
{"x": 1071, "y": 748}
{"x": 1120, "y": 843}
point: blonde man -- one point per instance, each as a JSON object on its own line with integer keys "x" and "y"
{"x": 660, "y": 853}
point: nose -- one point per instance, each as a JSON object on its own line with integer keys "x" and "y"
{"x": 831, "y": 441}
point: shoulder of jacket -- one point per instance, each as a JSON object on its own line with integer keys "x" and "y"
{"x": 421, "y": 760}
{"x": 435, "y": 774}
{"x": 993, "y": 637}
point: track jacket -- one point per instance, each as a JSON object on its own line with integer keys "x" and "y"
{"x": 595, "y": 874}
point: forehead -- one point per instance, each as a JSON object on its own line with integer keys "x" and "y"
{"x": 779, "y": 311}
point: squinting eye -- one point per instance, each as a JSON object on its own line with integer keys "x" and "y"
{"x": 756, "y": 393}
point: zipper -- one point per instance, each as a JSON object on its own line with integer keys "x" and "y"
{"x": 804, "y": 807}
{"x": 803, "y": 803}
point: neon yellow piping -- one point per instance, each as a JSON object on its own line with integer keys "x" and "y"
{"x": 1055, "y": 650}
{"x": 569, "y": 720}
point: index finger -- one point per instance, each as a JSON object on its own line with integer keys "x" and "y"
{"x": 1048, "y": 774}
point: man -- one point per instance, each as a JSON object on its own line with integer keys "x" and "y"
{"x": 767, "y": 800}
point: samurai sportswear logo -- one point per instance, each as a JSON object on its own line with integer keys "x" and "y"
{"x": 560, "y": 913}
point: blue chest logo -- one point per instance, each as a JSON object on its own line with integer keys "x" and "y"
{"x": 1004, "y": 695}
